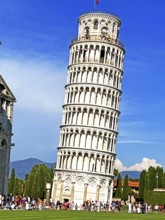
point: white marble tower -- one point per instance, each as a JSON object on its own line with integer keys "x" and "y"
{"x": 87, "y": 148}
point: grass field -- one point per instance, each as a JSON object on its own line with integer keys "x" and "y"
{"x": 75, "y": 215}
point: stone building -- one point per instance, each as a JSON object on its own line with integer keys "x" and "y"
{"x": 7, "y": 100}
{"x": 87, "y": 147}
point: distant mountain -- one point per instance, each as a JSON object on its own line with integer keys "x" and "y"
{"x": 131, "y": 174}
{"x": 23, "y": 167}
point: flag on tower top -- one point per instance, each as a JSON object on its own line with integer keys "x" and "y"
{"x": 97, "y": 1}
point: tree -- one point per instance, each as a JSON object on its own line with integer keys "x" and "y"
{"x": 29, "y": 181}
{"x": 11, "y": 182}
{"x": 116, "y": 172}
{"x": 152, "y": 178}
{"x": 51, "y": 176}
{"x": 18, "y": 187}
{"x": 159, "y": 175}
{"x": 163, "y": 180}
{"x": 126, "y": 189}
{"x": 41, "y": 180}
{"x": 119, "y": 187}
{"x": 34, "y": 192}
{"x": 35, "y": 182}
{"x": 142, "y": 184}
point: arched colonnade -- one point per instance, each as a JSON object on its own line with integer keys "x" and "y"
{"x": 85, "y": 161}
{"x": 96, "y": 53}
{"x": 88, "y": 116}
{"x": 101, "y": 96}
{"x": 98, "y": 75}
{"x": 91, "y": 139}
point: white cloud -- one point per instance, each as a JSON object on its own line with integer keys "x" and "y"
{"x": 38, "y": 85}
{"x": 119, "y": 166}
{"x": 143, "y": 165}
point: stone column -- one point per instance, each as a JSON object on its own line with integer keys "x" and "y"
{"x": 97, "y": 192}
{"x": 72, "y": 192}
{"x": 85, "y": 192}
{"x": 48, "y": 187}
{"x": 70, "y": 56}
{"x": 54, "y": 189}
{"x": 105, "y": 56}
{"x": 58, "y": 160}
{"x": 110, "y": 193}
{"x": 61, "y": 191}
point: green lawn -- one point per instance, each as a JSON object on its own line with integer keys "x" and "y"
{"x": 75, "y": 215}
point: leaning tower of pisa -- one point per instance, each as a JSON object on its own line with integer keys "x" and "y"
{"x": 89, "y": 129}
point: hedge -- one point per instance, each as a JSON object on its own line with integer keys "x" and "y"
{"x": 154, "y": 198}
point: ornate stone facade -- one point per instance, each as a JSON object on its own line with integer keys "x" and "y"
{"x": 7, "y": 100}
{"x": 86, "y": 152}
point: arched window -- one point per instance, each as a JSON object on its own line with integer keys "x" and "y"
{"x": 0, "y": 126}
{"x": 3, "y": 143}
{"x": 102, "y": 54}
{"x": 96, "y": 24}
{"x": 87, "y": 32}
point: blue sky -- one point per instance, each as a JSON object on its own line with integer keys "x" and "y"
{"x": 36, "y": 35}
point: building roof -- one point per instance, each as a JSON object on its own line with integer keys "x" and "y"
{"x": 130, "y": 184}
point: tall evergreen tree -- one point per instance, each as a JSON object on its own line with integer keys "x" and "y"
{"x": 11, "y": 182}
{"x": 152, "y": 181}
{"x": 29, "y": 184}
{"x": 30, "y": 180}
{"x": 34, "y": 192}
{"x": 159, "y": 175}
{"x": 16, "y": 187}
{"x": 163, "y": 180}
{"x": 51, "y": 176}
{"x": 119, "y": 187}
{"x": 42, "y": 174}
{"x": 142, "y": 184}
{"x": 126, "y": 189}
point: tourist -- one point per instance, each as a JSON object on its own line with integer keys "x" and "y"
{"x": 129, "y": 207}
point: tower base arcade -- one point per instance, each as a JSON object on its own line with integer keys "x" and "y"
{"x": 80, "y": 187}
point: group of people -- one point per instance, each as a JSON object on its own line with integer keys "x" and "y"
{"x": 143, "y": 208}
{"x": 93, "y": 206}
{"x": 17, "y": 202}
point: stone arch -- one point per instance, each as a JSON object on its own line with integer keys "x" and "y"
{"x": 86, "y": 162}
{"x": 88, "y": 140}
{"x": 80, "y": 161}
{"x": 82, "y": 139}
{"x": 100, "y": 77}
{"x": 93, "y": 96}
{"x": 102, "y": 54}
{"x": 89, "y": 76}
{"x": 98, "y": 95}
{"x": 77, "y": 138}
{"x": 94, "y": 140}
{"x": 100, "y": 141}
{"x": 85, "y": 116}
{"x": 95, "y": 24}
{"x": 74, "y": 161}
{"x": 92, "y": 163}
{"x": 87, "y": 95}
{"x": 3, "y": 143}
{"x": 67, "y": 191}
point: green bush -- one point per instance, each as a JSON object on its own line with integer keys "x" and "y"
{"x": 154, "y": 198}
